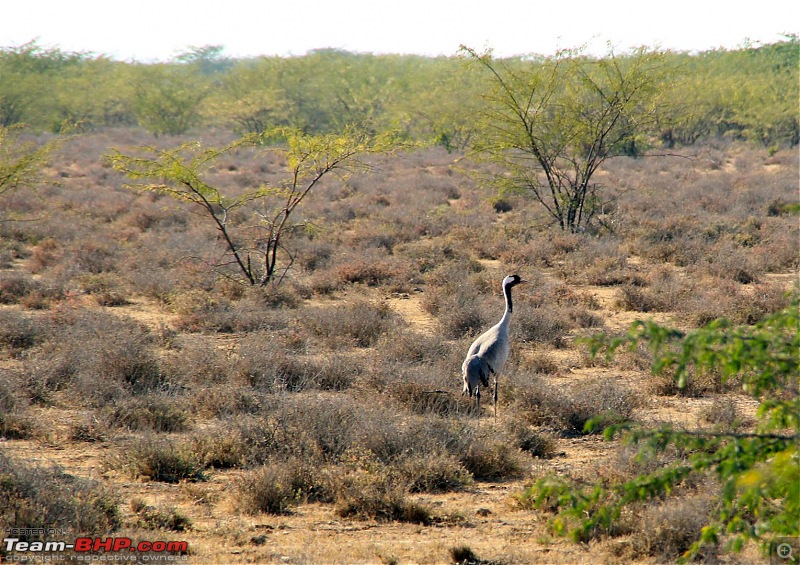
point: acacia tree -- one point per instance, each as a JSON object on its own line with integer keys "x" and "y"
{"x": 550, "y": 123}
{"x": 758, "y": 472}
{"x": 167, "y": 98}
{"x": 21, "y": 162}
{"x": 256, "y": 252}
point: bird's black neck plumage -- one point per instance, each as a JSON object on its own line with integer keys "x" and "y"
{"x": 507, "y": 293}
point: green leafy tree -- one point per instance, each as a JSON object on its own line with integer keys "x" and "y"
{"x": 208, "y": 59}
{"x": 26, "y": 76}
{"x": 21, "y": 162}
{"x": 759, "y": 472}
{"x": 250, "y": 97}
{"x": 550, "y": 123}
{"x": 255, "y": 251}
{"x": 167, "y": 98}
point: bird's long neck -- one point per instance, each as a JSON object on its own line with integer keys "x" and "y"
{"x": 509, "y": 305}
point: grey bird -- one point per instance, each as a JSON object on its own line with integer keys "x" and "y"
{"x": 489, "y": 352}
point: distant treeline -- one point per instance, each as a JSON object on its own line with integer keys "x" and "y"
{"x": 748, "y": 94}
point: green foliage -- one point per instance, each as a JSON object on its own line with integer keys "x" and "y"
{"x": 749, "y": 93}
{"x": 551, "y": 123}
{"x": 181, "y": 172}
{"x": 759, "y": 472}
{"x": 167, "y": 98}
{"x": 20, "y": 162}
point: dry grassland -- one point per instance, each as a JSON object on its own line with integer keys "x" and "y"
{"x": 320, "y": 421}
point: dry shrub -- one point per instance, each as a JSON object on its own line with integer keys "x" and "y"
{"x": 224, "y": 400}
{"x": 731, "y": 262}
{"x": 196, "y": 360}
{"x": 14, "y": 287}
{"x": 529, "y": 440}
{"x": 18, "y": 332}
{"x": 457, "y": 307}
{"x": 539, "y": 362}
{"x": 722, "y": 414}
{"x": 270, "y": 297}
{"x": 434, "y": 472}
{"x": 96, "y": 356}
{"x": 359, "y": 323}
{"x": 14, "y": 423}
{"x": 163, "y": 517}
{"x": 407, "y": 347}
{"x": 668, "y": 530}
{"x": 199, "y": 311}
{"x": 275, "y": 487}
{"x": 427, "y": 255}
{"x": 370, "y": 272}
{"x": 89, "y": 431}
{"x": 490, "y": 459}
{"x": 160, "y": 459}
{"x": 636, "y": 299}
{"x": 267, "y": 364}
{"x": 763, "y": 300}
{"x": 542, "y": 324}
{"x": 569, "y": 410}
{"x": 40, "y": 499}
{"x": 364, "y": 488}
{"x": 219, "y": 447}
{"x": 420, "y": 399}
{"x": 105, "y": 288}
{"x": 464, "y": 555}
{"x": 154, "y": 412}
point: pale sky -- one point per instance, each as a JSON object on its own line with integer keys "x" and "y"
{"x": 149, "y": 30}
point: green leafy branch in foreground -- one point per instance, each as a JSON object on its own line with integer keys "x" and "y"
{"x": 759, "y": 472}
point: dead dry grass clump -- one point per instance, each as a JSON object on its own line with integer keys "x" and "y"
{"x": 162, "y": 517}
{"x": 369, "y": 271}
{"x": 199, "y": 311}
{"x": 429, "y": 254}
{"x": 14, "y": 286}
{"x": 96, "y": 356}
{"x": 434, "y": 472}
{"x": 493, "y": 459}
{"x": 697, "y": 384}
{"x": 668, "y": 530}
{"x": 159, "y": 459}
{"x": 359, "y": 323}
{"x": 153, "y": 412}
{"x": 542, "y": 324}
{"x": 408, "y": 347}
{"x": 418, "y": 397}
{"x": 43, "y": 498}
{"x": 14, "y": 422}
{"x": 741, "y": 304}
{"x": 365, "y": 488}
{"x": 529, "y": 440}
{"x": 18, "y": 332}
{"x": 266, "y": 363}
{"x": 458, "y": 308}
{"x": 597, "y": 404}
{"x": 275, "y": 487}
{"x": 225, "y": 400}
{"x": 195, "y": 360}
{"x": 105, "y": 288}
{"x": 722, "y": 414}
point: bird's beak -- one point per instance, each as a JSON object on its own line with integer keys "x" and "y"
{"x": 522, "y": 281}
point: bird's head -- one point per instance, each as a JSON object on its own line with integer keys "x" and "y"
{"x": 512, "y": 280}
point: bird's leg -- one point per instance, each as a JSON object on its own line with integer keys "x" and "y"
{"x": 495, "y": 397}
{"x": 478, "y": 399}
